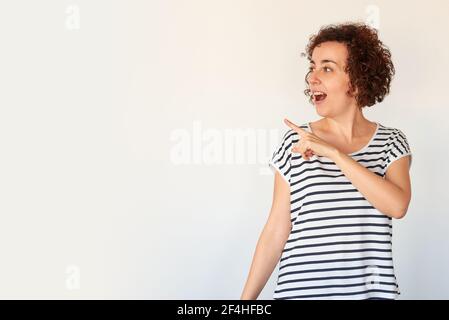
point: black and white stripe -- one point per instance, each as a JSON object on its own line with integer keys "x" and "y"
{"x": 340, "y": 245}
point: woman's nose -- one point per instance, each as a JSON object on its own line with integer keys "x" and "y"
{"x": 312, "y": 78}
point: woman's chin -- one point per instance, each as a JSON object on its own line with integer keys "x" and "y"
{"x": 319, "y": 109}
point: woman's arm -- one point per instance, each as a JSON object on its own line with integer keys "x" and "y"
{"x": 271, "y": 241}
{"x": 391, "y": 195}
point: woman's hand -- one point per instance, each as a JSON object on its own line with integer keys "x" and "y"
{"x": 310, "y": 144}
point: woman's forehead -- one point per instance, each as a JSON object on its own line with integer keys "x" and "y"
{"x": 333, "y": 51}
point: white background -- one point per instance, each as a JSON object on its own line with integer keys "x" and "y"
{"x": 95, "y": 95}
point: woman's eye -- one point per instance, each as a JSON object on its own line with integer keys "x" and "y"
{"x": 325, "y": 68}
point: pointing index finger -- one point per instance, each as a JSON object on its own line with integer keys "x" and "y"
{"x": 299, "y": 130}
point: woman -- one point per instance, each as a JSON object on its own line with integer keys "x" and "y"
{"x": 339, "y": 181}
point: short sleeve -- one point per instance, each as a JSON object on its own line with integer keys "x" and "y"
{"x": 281, "y": 158}
{"x": 398, "y": 147}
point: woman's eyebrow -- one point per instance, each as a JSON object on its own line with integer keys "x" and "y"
{"x": 323, "y": 61}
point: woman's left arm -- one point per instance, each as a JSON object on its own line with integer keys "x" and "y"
{"x": 391, "y": 195}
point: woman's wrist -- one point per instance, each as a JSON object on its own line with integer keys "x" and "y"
{"x": 335, "y": 154}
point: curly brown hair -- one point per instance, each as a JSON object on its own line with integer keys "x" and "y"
{"x": 369, "y": 62}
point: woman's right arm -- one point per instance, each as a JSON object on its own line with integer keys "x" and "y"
{"x": 271, "y": 241}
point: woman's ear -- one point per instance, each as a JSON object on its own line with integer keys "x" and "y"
{"x": 352, "y": 92}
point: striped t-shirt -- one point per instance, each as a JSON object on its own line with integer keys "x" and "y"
{"x": 340, "y": 246}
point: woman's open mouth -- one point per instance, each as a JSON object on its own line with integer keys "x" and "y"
{"x": 318, "y": 97}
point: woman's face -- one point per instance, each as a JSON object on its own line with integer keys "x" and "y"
{"x": 327, "y": 75}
